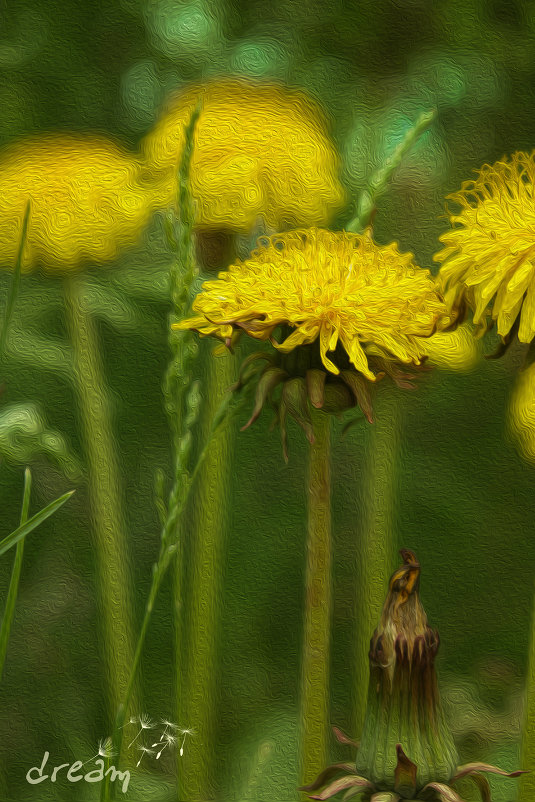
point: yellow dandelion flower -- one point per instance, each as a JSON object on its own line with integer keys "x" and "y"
{"x": 260, "y": 150}
{"x": 522, "y": 412}
{"x": 337, "y": 289}
{"x": 489, "y": 253}
{"x": 86, "y": 203}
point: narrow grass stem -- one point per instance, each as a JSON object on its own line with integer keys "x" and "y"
{"x": 314, "y": 701}
{"x": 13, "y": 589}
{"x": 15, "y": 282}
{"x": 366, "y": 203}
{"x": 111, "y": 544}
{"x": 376, "y": 546}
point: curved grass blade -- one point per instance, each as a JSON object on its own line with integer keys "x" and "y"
{"x": 33, "y": 522}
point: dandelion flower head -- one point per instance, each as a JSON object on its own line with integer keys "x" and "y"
{"x": 86, "y": 202}
{"x": 260, "y": 150}
{"x": 340, "y": 289}
{"x": 489, "y": 253}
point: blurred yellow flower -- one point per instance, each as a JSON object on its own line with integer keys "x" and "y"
{"x": 489, "y": 253}
{"x": 522, "y": 412}
{"x": 453, "y": 350}
{"x": 337, "y": 288}
{"x": 260, "y": 150}
{"x": 86, "y": 203}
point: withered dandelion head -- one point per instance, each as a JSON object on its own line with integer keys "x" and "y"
{"x": 260, "y": 151}
{"x": 488, "y": 257}
{"x": 406, "y": 751}
{"x": 86, "y": 202}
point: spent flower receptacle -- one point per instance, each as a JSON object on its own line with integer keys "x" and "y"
{"x": 406, "y": 751}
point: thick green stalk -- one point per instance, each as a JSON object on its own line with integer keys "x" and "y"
{"x": 199, "y": 706}
{"x": 376, "y": 547}
{"x": 9, "y": 610}
{"x": 526, "y": 791}
{"x": 108, "y": 522}
{"x": 314, "y": 701}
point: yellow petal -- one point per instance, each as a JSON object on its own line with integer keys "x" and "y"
{"x": 526, "y": 331}
{"x": 325, "y": 339}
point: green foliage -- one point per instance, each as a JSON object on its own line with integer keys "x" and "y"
{"x": 25, "y": 436}
{"x": 465, "y": 500}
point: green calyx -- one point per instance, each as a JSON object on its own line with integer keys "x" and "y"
{"x": 296, "y": 390}
{"x": 295, "y": 383}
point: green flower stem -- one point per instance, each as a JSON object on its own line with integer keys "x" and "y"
{"x": 366, "y": 204}
{"x": 199, "y": 704}
{"x": 526, "y": 791}
{"x": 376, "y": 547}
{"x": 314, "y": 701}
{"x": 9, "y": 611}
{"x": 111, "y": 544}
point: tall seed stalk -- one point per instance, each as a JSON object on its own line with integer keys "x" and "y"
{"x": 376, "y": 549}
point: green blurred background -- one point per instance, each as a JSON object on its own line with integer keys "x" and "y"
{"x": 464, "y": 502}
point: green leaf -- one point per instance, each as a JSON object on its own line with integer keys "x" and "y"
{"x": 35, "y": 521}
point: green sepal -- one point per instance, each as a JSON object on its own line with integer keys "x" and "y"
{"x": 315, "y": 379}
{"x": 404, "y": 774}
{"x": 360, "y": 387}
{"x": 294, "y": 401}
{"x": 270, "y": 378}
{"x": 337, "y": 398}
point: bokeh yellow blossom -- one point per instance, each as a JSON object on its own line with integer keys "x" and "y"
{"x": 522, "y": 412}
{"x": 337, "y": 288}
{"x": 86, "y": 202}
{"x": 488, "y": 257}
{"x": 260, "y": 151}
{"x": 453, "y": 350}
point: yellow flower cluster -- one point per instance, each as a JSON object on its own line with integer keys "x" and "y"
{"x": 489, "y": 253}
{"x": 260, "y": 151}
{"x": 86, "y": 203}
{"x": 334, "y": 287}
